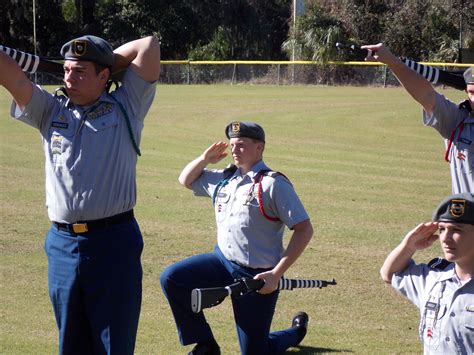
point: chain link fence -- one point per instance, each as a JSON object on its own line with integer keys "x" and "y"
{"x": 285, "y": 73}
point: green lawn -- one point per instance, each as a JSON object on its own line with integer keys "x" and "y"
{"x": 362, "y": 162}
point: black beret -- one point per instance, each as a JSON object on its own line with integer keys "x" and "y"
{"x": 469, "y": 75}
{"x": 245, "y": 129}
{"x": 89, "y": 48}
{"x": 456, "y": 208}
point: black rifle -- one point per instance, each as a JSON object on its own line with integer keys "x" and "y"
{"x": 32, "y": 63}
{"x": 202, "y": 298}
{"x": 434, "y": 75}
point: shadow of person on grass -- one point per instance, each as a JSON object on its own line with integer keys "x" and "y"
{"x": 314, "y": 350}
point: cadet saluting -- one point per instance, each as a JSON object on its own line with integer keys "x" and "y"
{"x": 443, "y": 290}
{"x": 252, "y": 206}
{"x": 455, "y": 123}
{"x": 90, "y": 140}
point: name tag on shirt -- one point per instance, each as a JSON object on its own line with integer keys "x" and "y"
{"x": 63, "y": 125}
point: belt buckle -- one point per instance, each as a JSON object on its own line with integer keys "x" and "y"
{"x": 80, "y": 227}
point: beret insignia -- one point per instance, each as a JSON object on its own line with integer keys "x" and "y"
{"x": 235, "y": 127}
{"x": 80, "y": 47}
{"x": 457, "y": 207}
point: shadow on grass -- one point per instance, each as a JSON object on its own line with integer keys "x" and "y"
{"x": 314, "y": 350}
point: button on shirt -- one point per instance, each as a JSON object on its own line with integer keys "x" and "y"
{"x": 244, "y": 235}
{"x": 446, "y": 307}
{"x": 90, "y": 160}
{"x": 446, "y": 117}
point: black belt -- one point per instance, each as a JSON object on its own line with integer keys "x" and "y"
{"x": 89, "y": 226}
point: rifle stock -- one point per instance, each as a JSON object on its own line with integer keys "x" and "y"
{"x": 202, "y": 298}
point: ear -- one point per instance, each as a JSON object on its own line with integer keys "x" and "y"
{"x": 104, "y": 74}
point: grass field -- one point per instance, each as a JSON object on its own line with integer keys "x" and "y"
{"x": 362, "y": 162}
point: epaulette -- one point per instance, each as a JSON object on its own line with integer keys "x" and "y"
{"x": 270, "y": 173}
{"x": 466, "y": 105}
{"x": 439, "y": 263}
{"x": 229, "y": 170}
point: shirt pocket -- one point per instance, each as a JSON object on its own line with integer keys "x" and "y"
{"x": 101, "y": 136}
{"x": 60, "y": 142}
{"x": 102, "y": 123}
{"x": 433, "y": 324}
{"x": 468, "y": 318}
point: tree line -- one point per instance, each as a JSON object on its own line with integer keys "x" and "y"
{"x": 431, "y": 30}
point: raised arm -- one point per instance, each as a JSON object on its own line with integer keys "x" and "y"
{"x": 142, "y": 55}
{"x": 421, "y": 237}
{"x": 415, "y": 84}
{"x": 15, "y": 80}
{"x": 302, "y": 234}
{"x": 193, "y": 170}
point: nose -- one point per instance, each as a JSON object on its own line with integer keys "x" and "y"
{"x": 69, "y": 76}
{"x": 445, "y": 235}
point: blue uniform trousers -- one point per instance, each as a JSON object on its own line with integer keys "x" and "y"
{"x": 253, "y": 312}
{"x": 95, "y": 286}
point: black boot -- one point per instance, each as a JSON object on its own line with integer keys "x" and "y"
{"x": 207, "y": 348}
{"x": 300, "y": 321}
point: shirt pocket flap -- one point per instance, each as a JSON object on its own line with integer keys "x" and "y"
{"x": 102, "y": 123}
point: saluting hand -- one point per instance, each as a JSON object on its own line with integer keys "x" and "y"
{"x": 215, "y": 153}
{"x": 422, "y": 236}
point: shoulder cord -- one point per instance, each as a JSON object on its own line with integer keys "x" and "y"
{"x": 257, "y": 180}
{"x": 260, "y": 176}
{"x": 460, "y": 126}
{"x": 466, "y": 105}
{"x": 219, "y": 186}
{"x": 129, "y": 126}
{"x": 228, "y": 172}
